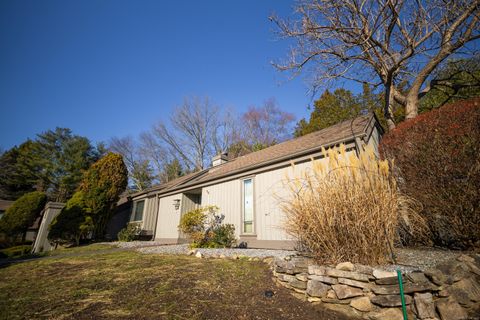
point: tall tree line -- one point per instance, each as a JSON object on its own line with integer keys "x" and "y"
{"x": 53, "y": 163}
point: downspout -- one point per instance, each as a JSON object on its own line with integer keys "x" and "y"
{"x": 156, "y": 218}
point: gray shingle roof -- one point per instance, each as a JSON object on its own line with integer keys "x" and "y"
{"x": 341, "y": 132}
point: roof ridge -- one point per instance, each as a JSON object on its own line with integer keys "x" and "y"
{"x": 305, "y": 143}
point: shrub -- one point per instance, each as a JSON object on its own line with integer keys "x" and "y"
{"x": 101, "y": 186}
{"x": 438, "y": 157}
{"x": 205, "y": 229}
{"x": 224, "y": 236}
{"x": 129, "y": 233}
{"x": 72, "y": 223}
{"x": 15, "y": 252}
{"x": 347, "y": 208}
{"x": 23, "y": 213}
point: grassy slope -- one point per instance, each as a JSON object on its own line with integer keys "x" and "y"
{"x": 129, "y": 285}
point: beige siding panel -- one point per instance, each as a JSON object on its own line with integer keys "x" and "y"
{"x": 374, "y": 140}
{"x": 149, "y": 213}
{"x": 271, "y": 192}
{"x": 226, "y": 196}
{"x": 150, "y": 210}
{"x": 168, "y": 218}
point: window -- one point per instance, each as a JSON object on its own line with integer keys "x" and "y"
{"x": 248, "y": 206}
{"x": 138, "y": 210}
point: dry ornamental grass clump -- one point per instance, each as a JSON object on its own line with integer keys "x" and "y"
{"x": 348, "y": 208}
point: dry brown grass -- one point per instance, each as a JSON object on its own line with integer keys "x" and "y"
{"x": 348, "y": 208}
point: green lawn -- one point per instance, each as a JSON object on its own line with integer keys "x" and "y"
{"x": 90, "y": 283}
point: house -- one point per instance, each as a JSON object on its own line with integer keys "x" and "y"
{"x": 249, "y": 190}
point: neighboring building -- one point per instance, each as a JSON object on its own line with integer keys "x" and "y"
{"x": 248, "y": 190}
{"x": 118, "y": 221}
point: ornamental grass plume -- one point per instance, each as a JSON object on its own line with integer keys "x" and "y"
{"x": 348, "y": 208}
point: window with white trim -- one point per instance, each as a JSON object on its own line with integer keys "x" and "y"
{"x": 247, "y": 206}
{"x": 138, "y": 210}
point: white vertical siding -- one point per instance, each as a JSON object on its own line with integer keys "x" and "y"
{"x": 226, "y": 196}
{"x": 149, "y": 213}
{"x": 271, "y": 192}
{"x": 374, "y": 140}
{"x": 168, "y": 218}
{"x": 150, "y": 210}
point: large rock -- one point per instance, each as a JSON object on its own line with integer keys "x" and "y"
{"x": 390, "y": 300}
{"x": 343, "y": 291}
{"x": 449, "y": 309}
{"x": 354, "y": 283}
{"x": 465, "y": 290}
{"x": 302, "y": 276}
{"x": 298, "y": 284}
{"x": 364, "y": 269}
{"x": 323, "y": 279}
{"x": 380, "y": 274}
{"x": 407, "y": 288}
{"x": 301, "y": 262}
{"x": 347, "y": 274}
{"x": 386, "y": 314}
{"x": 285, "y": 277}
{"x": 317, "y": 270}
{"x": 424, "y": 306}
{"x": 336, "y": 301}
{"x": 331, "y": 294}
{"x": 389, "y": 280}
{"x": 362, "y": 304}
{"x": 417, "y": 277}
{"x": 316, "y": 288}
{"x": 455, "y": 270}
{"x": 473, "y": 268}
{"x": 345, "y": 266}
{"x": 465, "y": 258}
{"x": 292, "y": 266}
{"x": 436, "y": 276}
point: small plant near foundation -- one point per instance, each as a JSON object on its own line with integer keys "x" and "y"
{"x": 205, "y": 229}
{"x": 348, "y": 208}
{"x": 130, "y": 233}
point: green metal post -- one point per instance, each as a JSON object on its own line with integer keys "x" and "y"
{"x": 400, "y": 285}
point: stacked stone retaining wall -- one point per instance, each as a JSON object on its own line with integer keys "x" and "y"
{"x": 450, "y": 291}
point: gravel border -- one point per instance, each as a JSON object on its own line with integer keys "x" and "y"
{"x": 408, "y": 259}
{"x": 158, "y": 248}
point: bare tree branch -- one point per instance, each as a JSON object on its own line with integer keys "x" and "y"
{"x": 398, "y": 41}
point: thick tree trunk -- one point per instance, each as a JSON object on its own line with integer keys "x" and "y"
{"x": 388, "y": 108}
{"x": 411, "y": 105}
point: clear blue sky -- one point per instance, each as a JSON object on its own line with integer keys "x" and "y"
{"x": 114, "y": 67}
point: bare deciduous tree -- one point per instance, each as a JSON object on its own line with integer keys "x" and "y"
{"x": 392, "y": 41}
{"x": 140, "y": 172}
{"x": 190, "y": 134}
{"x": 266, "y": 125}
